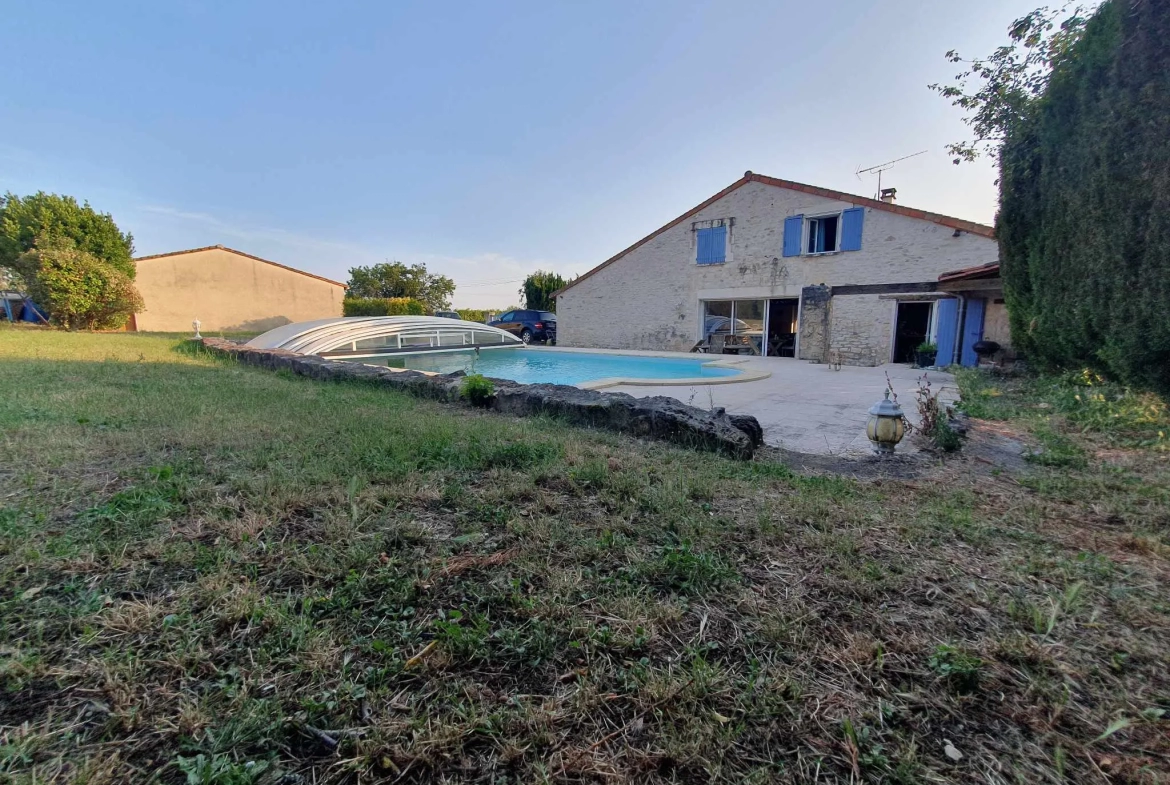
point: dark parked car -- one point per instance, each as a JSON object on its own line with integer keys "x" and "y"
{"x": 448, "y": 314}
{"x": 529, "y": 325}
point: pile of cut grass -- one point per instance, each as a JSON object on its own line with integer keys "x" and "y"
{"x": 215, "y": 574}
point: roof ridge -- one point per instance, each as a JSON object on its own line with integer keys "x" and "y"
{"x": 218, "y": 247}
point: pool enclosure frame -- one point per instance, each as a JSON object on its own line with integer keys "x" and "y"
{"x": 384, "y": 335}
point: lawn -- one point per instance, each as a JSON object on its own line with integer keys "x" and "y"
{"x": 216, "y": 574}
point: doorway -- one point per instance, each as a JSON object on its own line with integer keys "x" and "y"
{"x": 782, "y": 315}
{"x": 911, "y": 328}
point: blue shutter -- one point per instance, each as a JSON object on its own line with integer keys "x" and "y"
{"x": 712, "y": 245}
{"x": 793, "y": 229}
{"x": 972, "y": 332}
{"x": 947, "y": 321}
{"x": 851, "y": 223}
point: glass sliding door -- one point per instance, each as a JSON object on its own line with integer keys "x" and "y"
{"x": 735, "y": 317}
{"x": 749, "y": 321}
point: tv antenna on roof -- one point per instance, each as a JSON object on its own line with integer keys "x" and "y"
{"x": 883, "y": 167}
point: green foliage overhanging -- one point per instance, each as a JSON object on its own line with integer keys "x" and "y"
{"x": 1084, "y": 221}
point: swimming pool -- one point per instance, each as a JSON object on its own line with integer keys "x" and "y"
{"x": 545, "y": 366}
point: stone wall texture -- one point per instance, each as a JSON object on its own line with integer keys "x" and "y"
{"x": 656, "y": 417}
{"x": 650, "y": 297}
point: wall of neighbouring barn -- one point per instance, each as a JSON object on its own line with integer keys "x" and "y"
{"x": 229, "y": 292}
{"x": 650, "y": 297}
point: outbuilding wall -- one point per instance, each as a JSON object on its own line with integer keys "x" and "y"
{"x": 650, "y": 297}
{"x": 229, "y": 292}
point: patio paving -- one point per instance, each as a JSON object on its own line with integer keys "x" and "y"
{"x": 808, "y": 407}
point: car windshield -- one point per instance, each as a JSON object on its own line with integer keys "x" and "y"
{"x": 548, "y": 316}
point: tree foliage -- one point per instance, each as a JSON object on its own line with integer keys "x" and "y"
{"x": 538, "y": 290}
{"x": 999, "y": 91}
{"x": 396, "y": 280}
{"x": 1084, "y": 222}
{"x": 78, "y": 289}
{"x": 29, "y": 221}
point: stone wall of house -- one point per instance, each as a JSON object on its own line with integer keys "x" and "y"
{"x": 649, "y": 298}
{"x": 861, "y": 328}
{"x": 814, "y": 323}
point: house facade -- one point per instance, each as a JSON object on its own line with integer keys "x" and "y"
{"x": 797, "y": 270}
{"x": 229, "y": 291}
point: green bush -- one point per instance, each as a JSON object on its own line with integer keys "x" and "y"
{"x": 473, "y": 314}
{"x": 79, "y": 290}
{"x": 1084, "y": 220}
{"x": 927, "y": 347}
{"x": 477, "y": 389}
{"x": 383, "y": 306}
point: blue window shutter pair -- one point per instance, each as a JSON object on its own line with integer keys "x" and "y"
{"x": 793, "y": 229}
{"x": 852, "y": 221}
{"x": 712, "y": 245}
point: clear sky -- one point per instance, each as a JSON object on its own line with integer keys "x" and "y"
{"x": 485, "y": 139}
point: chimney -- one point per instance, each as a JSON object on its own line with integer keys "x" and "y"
{"x": 889, "y": 195}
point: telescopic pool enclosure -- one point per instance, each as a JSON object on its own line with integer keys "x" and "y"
{"x": 368, "y": 336}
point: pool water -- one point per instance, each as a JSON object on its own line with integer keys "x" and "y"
{"x": 540, "y": 366}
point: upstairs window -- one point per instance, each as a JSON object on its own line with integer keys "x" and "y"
{"x": 804, "y": 236}
{"x": 822, "y": 233}
{"x": 711, "y": 245}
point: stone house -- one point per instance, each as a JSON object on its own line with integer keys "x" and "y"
{"x": 229, "y": 291}
{"x": 799, "y": 270}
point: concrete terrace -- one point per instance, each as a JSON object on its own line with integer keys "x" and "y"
{"x": 803, "y": 406}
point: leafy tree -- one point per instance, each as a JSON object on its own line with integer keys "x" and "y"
{"x": 78, "y": 289}
{"x": 998, "y": 91}
{"x": 29, "y": 220}
{"x": 395, "y": 280}
{"x": 538, "y": 290}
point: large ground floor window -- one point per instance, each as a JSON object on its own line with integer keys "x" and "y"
{"x": 735, "y": 317}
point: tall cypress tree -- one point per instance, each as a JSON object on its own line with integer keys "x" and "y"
{"x": 1084, "y": 222}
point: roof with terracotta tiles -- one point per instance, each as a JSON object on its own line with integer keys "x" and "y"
{"x": 240, "y": 253}
{"x": 951, "y": 222}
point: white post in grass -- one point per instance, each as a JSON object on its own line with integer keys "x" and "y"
{"x": 195, "y": 324}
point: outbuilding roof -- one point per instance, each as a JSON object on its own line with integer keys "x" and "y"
{"x": 989, "y": 270}
{"x": 239, "y": 253}
{"x": 959, "y": 224}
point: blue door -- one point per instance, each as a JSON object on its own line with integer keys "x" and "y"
{"x": 947, "y": 330}
{"x": 972, "y": 331}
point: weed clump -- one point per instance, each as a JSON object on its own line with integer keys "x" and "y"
{"x": 478, "y": 390}
{"x": 958, "y": 667}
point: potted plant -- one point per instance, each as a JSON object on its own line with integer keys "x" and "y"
{"x": 925, "y": 354}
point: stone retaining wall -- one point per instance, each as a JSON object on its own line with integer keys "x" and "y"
{"x": 657, "y": 417}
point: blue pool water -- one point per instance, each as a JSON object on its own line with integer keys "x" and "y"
{"x": 536, "y": 366}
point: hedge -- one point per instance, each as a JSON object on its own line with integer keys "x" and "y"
{"x": 383, "y": 306}
{"x": 1084, "y": 221}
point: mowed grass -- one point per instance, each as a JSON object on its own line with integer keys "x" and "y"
{"x": 214, "y": 574}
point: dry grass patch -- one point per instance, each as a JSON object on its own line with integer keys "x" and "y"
{"x": 228, "y": 576}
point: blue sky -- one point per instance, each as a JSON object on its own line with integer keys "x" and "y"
{"x": 483, "y": 139}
